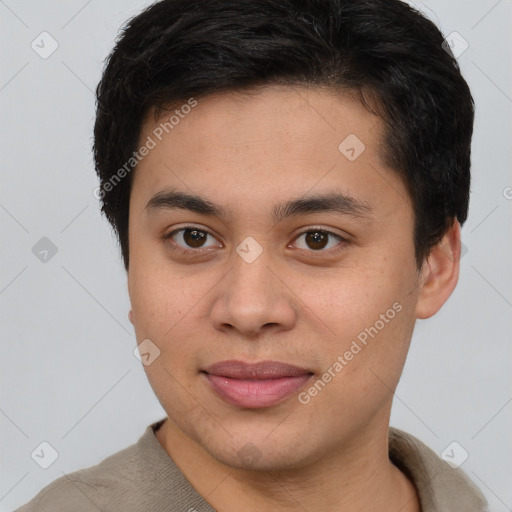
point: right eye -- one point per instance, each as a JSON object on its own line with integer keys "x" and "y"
{"x": 190, "y": 238}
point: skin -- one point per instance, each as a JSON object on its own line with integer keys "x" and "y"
{"x": 295, "y": 303}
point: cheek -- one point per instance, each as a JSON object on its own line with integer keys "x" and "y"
{"x": 362, "y": 362}
{"x": 163, "y": 296}
{"x": 369, "y": 319}
{"x": 353, "y": 299}
{"x": 171, "y": 311}
{"x": 158, "y": 302}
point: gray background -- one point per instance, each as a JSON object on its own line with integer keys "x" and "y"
{"x": 68, "y": 373}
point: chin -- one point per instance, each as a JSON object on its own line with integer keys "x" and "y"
{"x": 260, "y": 455}
{"x": 250, "y": 458}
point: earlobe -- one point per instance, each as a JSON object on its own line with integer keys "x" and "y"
{"x": 439, "y": 274}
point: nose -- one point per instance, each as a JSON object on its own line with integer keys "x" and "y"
{"x": 254, "y": 297}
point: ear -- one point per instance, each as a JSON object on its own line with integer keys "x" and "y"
{"x": 439, "y": 273}
{"x": 130, "y": 313}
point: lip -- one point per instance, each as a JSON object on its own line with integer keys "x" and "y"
{"x": 255, "y": 385}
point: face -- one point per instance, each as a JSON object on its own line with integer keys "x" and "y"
{"x": 298, "y": 249}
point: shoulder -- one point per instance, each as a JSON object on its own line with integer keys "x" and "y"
{"x": 85, "y": 489}
{"x": 67, "y": 493}
{"x": 439, "y": 485}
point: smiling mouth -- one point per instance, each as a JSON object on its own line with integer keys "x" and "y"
{"x": 255, "y": 385}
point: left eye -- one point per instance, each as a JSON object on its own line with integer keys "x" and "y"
{"x": 318, "y": 239}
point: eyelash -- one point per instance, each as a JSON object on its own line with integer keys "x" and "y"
{"x": 178, "y": 248}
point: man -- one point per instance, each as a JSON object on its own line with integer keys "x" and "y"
{"x": 287, "y": 181}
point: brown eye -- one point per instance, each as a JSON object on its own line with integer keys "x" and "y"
{"x": 194, "y": 237}
{"x": 318, "y": 239}
{"x": 190, "y": 238}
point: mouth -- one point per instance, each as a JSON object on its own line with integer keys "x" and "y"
{"x": 255, "y": 385}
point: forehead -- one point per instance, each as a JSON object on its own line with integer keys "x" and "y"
{"x": 297, "y": 111}
{"x": 263, "y": 143}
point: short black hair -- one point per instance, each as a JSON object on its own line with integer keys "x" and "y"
{"x": 385, "y": 51}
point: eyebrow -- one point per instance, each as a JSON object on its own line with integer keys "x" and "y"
{"x": 330, "y": 202}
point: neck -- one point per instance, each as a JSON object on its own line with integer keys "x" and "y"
{"x": 360, "y": 477}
